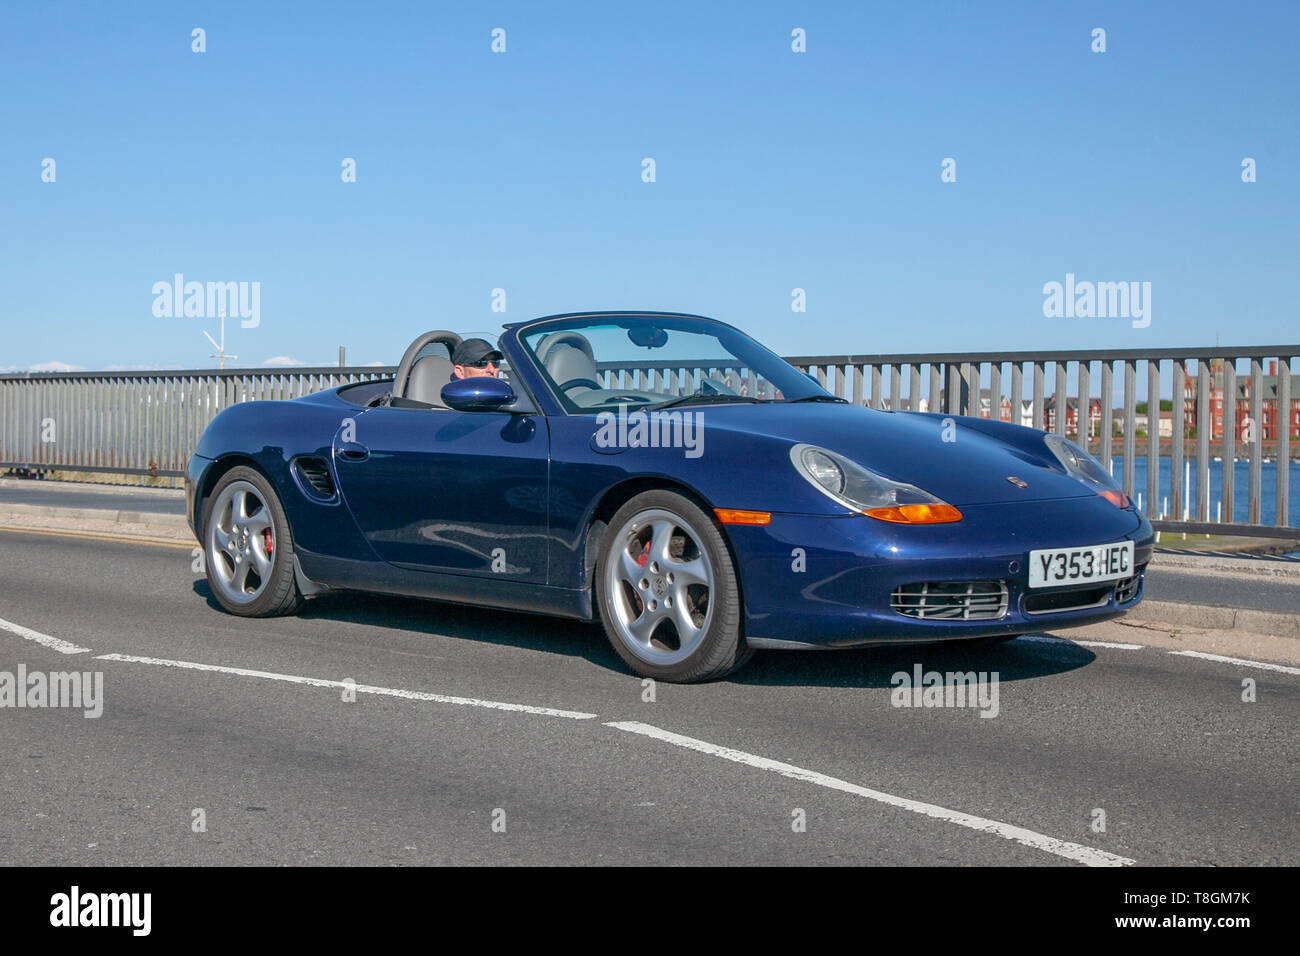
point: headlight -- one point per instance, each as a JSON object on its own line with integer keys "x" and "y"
{"x": 859, "y": 489}
{"x": 1082, "y": 466}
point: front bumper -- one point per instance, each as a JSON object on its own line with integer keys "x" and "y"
{"x": 827, "y": 582}
{"x": 193, "y": 475}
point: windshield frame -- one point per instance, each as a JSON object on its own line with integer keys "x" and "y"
{"x": 801, "y": 385}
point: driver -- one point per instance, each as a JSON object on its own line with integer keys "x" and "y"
{"x": 475, "y": 358}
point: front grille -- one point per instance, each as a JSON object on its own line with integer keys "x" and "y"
{"x": 1054, "y": 602}
{"x": 951, "y": 600}
{"x": 1127, "y": 589}
{"x": 314, "y": 476}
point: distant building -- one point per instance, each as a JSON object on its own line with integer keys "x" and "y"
{"x": 1071, "y": 414}
{"x": 986, "y": 405}
{"x": 1240, "y": 411}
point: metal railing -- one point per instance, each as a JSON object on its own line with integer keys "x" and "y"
{"x": 953, "y": 385}
{"x": 149, "y": 423}
{"x": 136, "y": 422}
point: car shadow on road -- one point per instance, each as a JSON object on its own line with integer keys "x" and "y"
{"x": 861, "y": 667}
{"x": 458, "y": 621}
{"x": 1022, "y": 659}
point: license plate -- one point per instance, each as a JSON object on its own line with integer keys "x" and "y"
{"x": 1060, "y": 567}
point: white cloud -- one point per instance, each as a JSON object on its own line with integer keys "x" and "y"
{"x": 55, "y": 367}
{"x": 282, "y": 360}
{"x": 381, "y": 364}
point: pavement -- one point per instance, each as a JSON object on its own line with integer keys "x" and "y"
{"x": 381, "y": 730}
{"x": 84, "y": 495}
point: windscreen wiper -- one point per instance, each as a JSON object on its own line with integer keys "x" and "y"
{"x": 708, "y": 399}
{"x": 817, "y": 398}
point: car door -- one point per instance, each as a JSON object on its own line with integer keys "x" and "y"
{"x": 449, "y": 491}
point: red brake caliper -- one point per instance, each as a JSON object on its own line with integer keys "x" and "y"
{"x": 641, "y": 560}
{"x": 267, "y": 533}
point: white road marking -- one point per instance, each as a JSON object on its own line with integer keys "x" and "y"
{"x": 53, "y": 643}
{"x": 1238, "y": 660}
{"x": 1086, "y": 855}
{"x": 359, "y": 688}
{"x": 1071, "y": 851}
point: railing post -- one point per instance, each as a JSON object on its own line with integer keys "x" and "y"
{"x": 1257, "y": 438}
{"x": 1083, "y": 432}
{"x": 1228, "y": 464}
{"x": 1204, "y": 429}
{"x": 1153, "y": 436}
{"x": 1178, "y": 447}
{"x": 1040, "y": 372}
{"x": 1283, "y": 424}
{"x": 1017, "y": 393}
{"x": 1130, "y": 425}
{"x": 1106, "y": 427}
{"x": 1061, "y": 400}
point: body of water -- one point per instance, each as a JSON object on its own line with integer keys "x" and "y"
{"x": 1240, "y": 489}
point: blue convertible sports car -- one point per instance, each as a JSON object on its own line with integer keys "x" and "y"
{"x": 670, "y": 476}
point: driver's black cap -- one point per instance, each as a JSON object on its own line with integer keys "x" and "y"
{"x": 473, "y": 351}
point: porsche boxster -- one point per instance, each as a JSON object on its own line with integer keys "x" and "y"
{"x": 669, "y": 476}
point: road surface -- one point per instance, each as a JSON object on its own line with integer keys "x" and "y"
{"x": 800, "y": 759}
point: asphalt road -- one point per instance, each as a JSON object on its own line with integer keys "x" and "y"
{"x": 1227, "y": 590}
{"x": 289, "y": 773}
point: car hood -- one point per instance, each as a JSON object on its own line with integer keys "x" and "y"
{"x": 950, "y": 457}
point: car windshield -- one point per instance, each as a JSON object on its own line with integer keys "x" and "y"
{"x": 655, "y": 361}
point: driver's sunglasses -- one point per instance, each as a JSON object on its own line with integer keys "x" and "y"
{"x": 484, "y": 363}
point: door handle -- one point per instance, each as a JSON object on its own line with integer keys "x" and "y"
{"x": 351, "y": 451}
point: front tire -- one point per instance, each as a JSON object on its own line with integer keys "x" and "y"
{"x": 248, "y": 547}
{"x": 668, "y": 592}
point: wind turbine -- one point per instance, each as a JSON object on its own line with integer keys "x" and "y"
{"x": 221, "y": 355}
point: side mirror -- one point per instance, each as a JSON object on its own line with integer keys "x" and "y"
{"x": 483, "y": 394}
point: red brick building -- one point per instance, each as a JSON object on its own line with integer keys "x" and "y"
{"x": 1240, "y": 407}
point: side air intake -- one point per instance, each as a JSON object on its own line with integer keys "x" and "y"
{"x": 314, "y": 478}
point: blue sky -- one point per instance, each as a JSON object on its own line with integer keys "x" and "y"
{"x": 523, "y": 171}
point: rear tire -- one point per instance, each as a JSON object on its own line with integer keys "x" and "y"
{"x": 248, "y": 547}
{"x": 668, "y": 591}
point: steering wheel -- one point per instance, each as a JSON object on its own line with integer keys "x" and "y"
{"x": 580, "y": 381}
